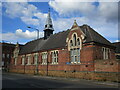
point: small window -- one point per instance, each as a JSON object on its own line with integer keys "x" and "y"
{"x": 78, "y": 41}
{"x": 51, "y": 26}
{"x": 71, "y": 43}
{"x": 45, "y": 26}
{"x": 74, "y": 39}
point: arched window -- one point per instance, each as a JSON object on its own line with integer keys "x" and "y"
{"x": 50, "y": 26}
{"x": 45, "y": 26}
{"x": 71, "y": 43}
{"x": 78, "y": 41}
{"x": 74, "y": 39}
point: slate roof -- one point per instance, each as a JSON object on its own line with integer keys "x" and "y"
{"x": 93, "y": 36}
{"x": 54, "y": 41}
{"x": 8, "y": 45}
{"x": 117, "y": 45}
{"x": 58, "y": 40}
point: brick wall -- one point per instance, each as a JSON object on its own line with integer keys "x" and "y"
{"x": 107, "y": 65}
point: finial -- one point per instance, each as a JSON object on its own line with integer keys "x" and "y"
{"x": 75, "y": 20}
{"x": 17, "y": 42}
{"x": 49, "y": 9}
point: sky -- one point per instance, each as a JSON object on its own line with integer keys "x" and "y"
{"x": 16, "y": 15}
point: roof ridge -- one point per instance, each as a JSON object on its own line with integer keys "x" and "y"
{"x": 89, "y": 33}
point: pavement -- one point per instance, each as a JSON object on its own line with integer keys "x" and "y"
{"x": 26, "y": 81}
{"x": 109, "y": 83}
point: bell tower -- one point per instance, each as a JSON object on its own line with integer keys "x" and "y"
{"x": 48, "y": 30}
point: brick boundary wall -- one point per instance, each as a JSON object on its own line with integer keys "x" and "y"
{"x": 103, "y": 70}
{"x": 89, "y": 75}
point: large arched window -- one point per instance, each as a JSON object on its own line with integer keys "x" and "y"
{"x": 74, "y": 39}
{"x": 75, "y": 42}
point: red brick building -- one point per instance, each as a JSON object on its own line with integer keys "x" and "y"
{"x": 117, "y": 50}
{"x": 7, "y": 53}
{"x": 79, "y": 52}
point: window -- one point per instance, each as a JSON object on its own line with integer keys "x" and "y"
{"x": 75, "y": 55}
{"x": 74, "y": 39}
{"x": 45, "y": 26}
{"x": 7, "y": 55}
{"x": 23, "y": 60}
{"x": 75, "y": 42}
{"x": 106, "y": 53}
{"x": 78, "y": 41}
{"x": 35, "y": 59}
{"x": 3, "y": 55}
{"x": 28, "y": 60}
{"x": 54, "y": 57}
{"x": 71, "y": 43}
{"x": 44, "y": 58}
{"x": 51, "y": 26}
{"x": 78, "y": 55}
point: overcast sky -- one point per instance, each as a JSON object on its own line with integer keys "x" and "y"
{"x": 16, "y": 16}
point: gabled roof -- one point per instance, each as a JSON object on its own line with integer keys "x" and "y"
{"x": 54, "y": 41}
{"x": 93, "y": 36}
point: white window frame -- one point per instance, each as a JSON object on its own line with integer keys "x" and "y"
{"x": 55, "y": 54}
{"x": 28, "y": 60}
{"x": 44, "y": 58}
{"x": 106, "y": 52}
{"x": 23, "y": 60}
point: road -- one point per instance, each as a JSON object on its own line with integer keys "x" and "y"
{"x": 12, "y": 80}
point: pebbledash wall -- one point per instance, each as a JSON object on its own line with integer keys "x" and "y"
{"x": 92, "y": 65}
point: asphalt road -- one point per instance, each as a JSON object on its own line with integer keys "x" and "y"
{"x": 12, "y": 80}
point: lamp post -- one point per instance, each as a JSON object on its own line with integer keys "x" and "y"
{"x": 37, "y": 38}
{"x": 36, "y": 30}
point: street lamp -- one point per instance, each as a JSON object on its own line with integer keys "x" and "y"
{"x": 37, "y": 38}
{"x": 36, "y": 30}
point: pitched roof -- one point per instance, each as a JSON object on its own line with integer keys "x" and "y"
{"x": 58, "y": 40}
{"x": 54, "y": 41}
{"x": 93, "y": 36}
{"x": 117, "y": 45}
{"x": 8, "y": 44}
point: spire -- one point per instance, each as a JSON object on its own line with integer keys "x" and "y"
{"x": 48, "y": 26}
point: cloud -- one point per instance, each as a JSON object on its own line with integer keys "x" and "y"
{"x": 27, "y": 34}
{"x": 67, "y": 8}
{"x": 19, "y": 35}
{"x": 19, "y": 7}
{"x": 30, "y": 21}
{"x": 108, "y": 11}
{"x": 28, "y": 13}
{"x": 61, "y": 24}
{"x": 104, "y": 10}
{"x": 8, "y": 36}
{"x": 102, "y": 18}
{"x": 117, "y": 41}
